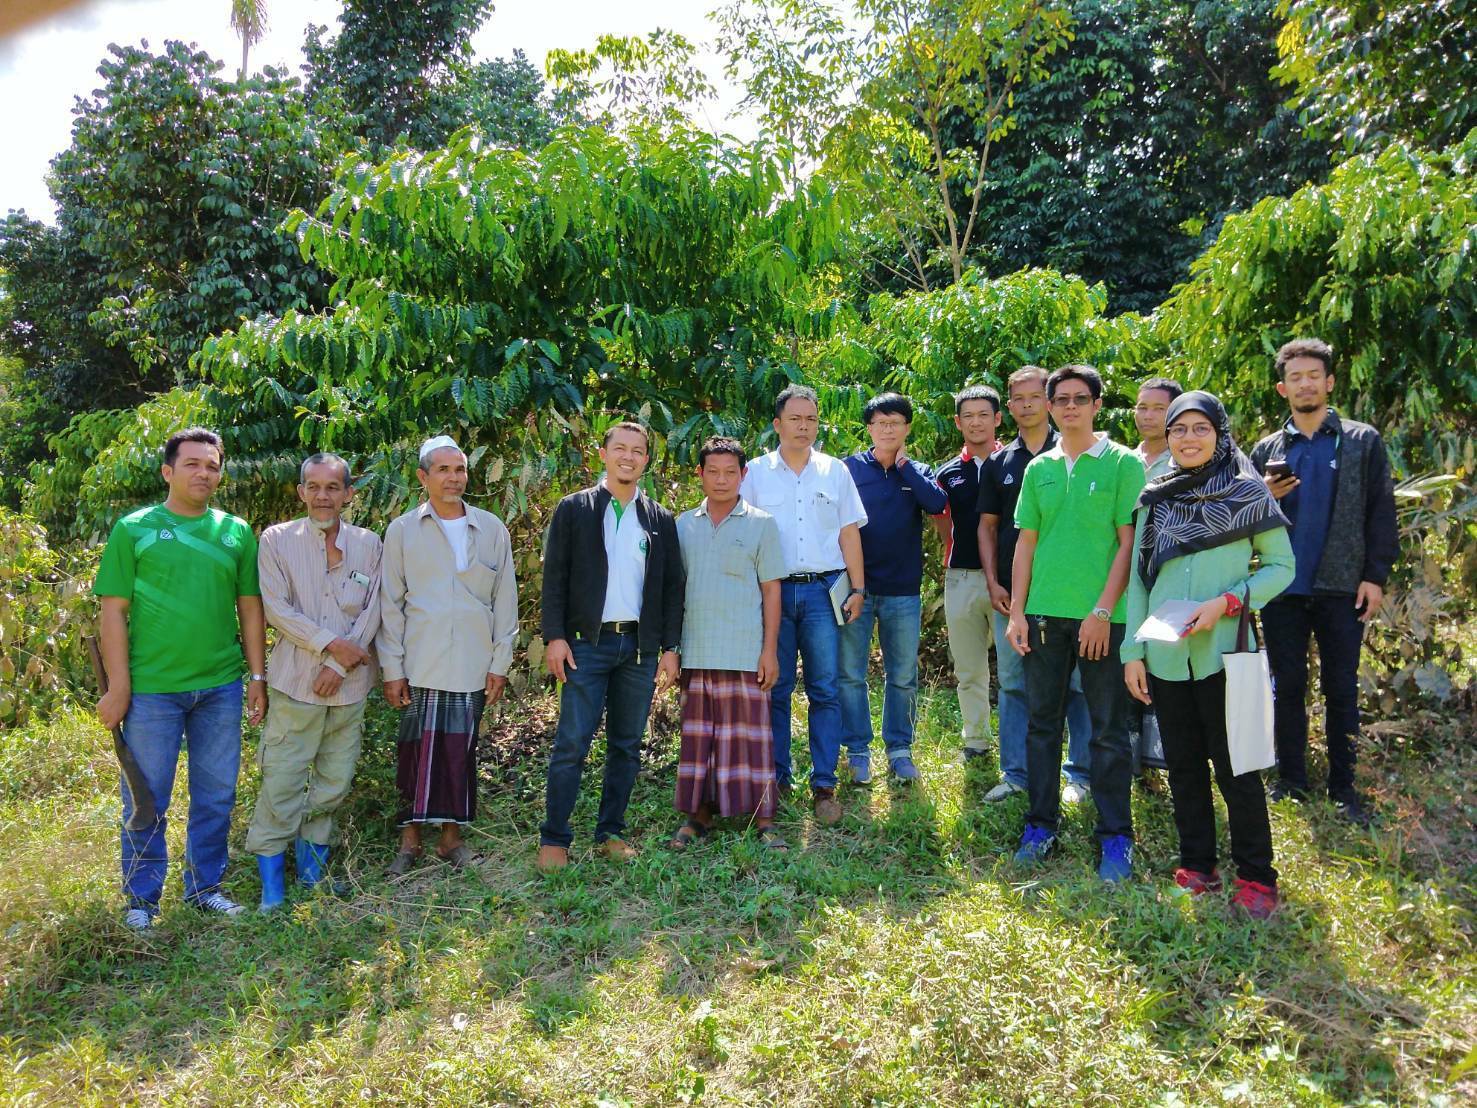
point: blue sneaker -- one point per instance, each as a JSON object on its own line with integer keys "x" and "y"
{"x": 861, "y": 768}
{"x": 904, "y": 769}
{"x": 1036, "y": 843}
{"x": 1117, "y": 860}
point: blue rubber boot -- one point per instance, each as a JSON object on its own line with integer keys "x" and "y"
{"x": 273, "y": 870}
{"x": 312, "y": 859}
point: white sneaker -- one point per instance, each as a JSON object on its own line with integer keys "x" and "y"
{"x": 1073, "y": 793}
{"x": 218, "y": 902}
{"x": 1001, "y": 791}
{"x": 138, "y": 919}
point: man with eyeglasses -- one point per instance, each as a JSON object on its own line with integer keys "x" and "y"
{"x": 1000, "y": 488}
{"x": 814, "y": 501}
{"x": 1070, "y": 570}
{"x": 897, "y": 494}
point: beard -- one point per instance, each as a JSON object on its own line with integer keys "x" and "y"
{"x": 324, "y": 525}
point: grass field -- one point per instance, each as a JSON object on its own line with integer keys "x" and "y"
{"x": 895, "y": 959}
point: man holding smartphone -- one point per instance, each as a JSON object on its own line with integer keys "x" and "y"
{"x": 1332, "y": 478}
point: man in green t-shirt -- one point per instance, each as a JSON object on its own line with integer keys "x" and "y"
{"x": 174, "y": 580}
{"x": 1075, "y": 515}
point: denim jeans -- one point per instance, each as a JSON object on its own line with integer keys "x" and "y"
{"x": 808, "y": 628}
{"x": 1015, "y": 717}
{"x": 1049, "y": 665}
{"x": 609, "y": 676}
{"x": 207, "y": 722}
{"x": 1288, "y": 622}
{"x": 897, "y": 619}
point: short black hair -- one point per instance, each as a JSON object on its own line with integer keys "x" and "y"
{"x": 1163, "y": 384}
{"x": 888, "y": 403}
{"x": 1025, "y": 373}
{"x": 1084, "y": 373}
{"x": 794, "y": 392}
{"x": 626, "y": 425}
{"x": 192, "y": 434}
{"x": 976, "y": 392}
{"x": 721, "y": 444}
{"x": 1303, "y": 348}
{"x": 322, "y": 458}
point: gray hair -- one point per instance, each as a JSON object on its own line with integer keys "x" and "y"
{"x": 322, "y": 459}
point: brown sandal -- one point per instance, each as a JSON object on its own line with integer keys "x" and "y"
{"x": 403, "y": 863}
{"x": 689, "y": 833}
{"x": 460, "y": 856}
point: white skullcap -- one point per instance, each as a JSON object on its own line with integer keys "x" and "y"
{"x": 440, "y": 442}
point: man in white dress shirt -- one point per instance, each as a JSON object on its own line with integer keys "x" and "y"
{"x": 813, "y": 498}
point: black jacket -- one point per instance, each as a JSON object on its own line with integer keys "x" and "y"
{"x": 575, "y": 571}
{"x": 1363, "y": 536}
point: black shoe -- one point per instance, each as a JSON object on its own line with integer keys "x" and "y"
{"x": 786, "y": 787}
{"x": 1352, "y": 808}
{"x": 1282, "y": 789}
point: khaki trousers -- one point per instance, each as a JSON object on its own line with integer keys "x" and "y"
{"x": 967, "y": 614}
{"x": 307, "y": 758}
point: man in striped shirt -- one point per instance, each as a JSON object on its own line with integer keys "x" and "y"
{"x": 320, "y": 580}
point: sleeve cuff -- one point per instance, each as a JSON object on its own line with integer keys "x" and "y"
{"x": 333, "y": 665}
{"x": 321, "y": 640}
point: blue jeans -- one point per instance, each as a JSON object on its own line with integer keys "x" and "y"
{"x": 608, "y": 676}
{"x": 808, "y": 628}
{"x": 897, "y": 619}
{"x": 1014, "y": 717}
{"x": 208, "y": 723}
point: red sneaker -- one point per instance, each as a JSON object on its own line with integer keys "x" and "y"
{"x": 1256, "y": 900}
{"x": 1197, "y": 883}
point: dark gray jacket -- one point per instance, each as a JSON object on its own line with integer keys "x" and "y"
{"x": 1363, "y": 537}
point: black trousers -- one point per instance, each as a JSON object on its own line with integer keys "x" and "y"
{"x": 1289, "y": 622}
{"x": 1192, "y": 723}
{"x": 1048, "y": 666}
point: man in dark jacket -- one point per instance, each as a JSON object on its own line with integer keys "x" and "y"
{"x": 1332, "y": 477}
{"x": 612, "y": 618}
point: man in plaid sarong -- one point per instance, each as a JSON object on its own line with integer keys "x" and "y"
{"x": 730, "y": 633}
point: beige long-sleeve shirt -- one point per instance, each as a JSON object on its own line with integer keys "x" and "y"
{"x": 440, "y": 628}
{"x": 310, "y": 605}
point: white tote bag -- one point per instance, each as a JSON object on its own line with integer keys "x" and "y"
{"x": 1248, "y": 699}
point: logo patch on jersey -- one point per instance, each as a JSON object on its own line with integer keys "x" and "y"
{"x": 955, "y": 482}
{"x": 1009, "y": 479}
{"x": 166, "y": 534}
{"x": 229, "y": 540}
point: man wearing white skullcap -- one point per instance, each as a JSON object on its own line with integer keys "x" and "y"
{"x": 449, "y": 618}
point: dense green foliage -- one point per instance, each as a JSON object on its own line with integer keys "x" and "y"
{"x": 1371, "y": 71}
{"x": 1156, "y": 121}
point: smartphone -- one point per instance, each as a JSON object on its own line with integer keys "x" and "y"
{"x": 1279, "y": 468}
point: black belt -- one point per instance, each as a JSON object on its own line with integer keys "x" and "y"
{"x": 807, "y": 578}
{"x": 624, "y": 627}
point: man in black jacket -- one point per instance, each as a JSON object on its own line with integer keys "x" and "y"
{"x": 612, "y": 619}
{"x": 1332, "y": 477}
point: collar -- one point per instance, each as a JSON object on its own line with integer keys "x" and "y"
{"x": 739, "y": 509}
{"x": 1051, "y": 440}
{"x": 425, "y": 511}
{"x": 966, "y": 456}
{"x": 602, "y": 487}
{"x": 777, "y": 462}
{"x": 1331, "y": 425}
{"x": 1144, "y": 455}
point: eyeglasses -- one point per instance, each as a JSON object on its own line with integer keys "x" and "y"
{"x": 889, "y": 424}
{"x": 1185, "y": 430}
{"x": 1075, "y": 400}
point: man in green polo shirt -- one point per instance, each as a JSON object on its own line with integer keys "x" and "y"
{"x": 174, "y": 581}
{"x": 1075, "y": 515}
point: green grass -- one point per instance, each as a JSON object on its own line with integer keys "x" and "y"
{"x": 895, "y": 959}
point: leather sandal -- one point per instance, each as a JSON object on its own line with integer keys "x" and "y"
{"x": 689, "y": 833}
{"x": 404, "y": 862}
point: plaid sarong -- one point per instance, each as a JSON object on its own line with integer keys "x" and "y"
{"x": 436, "y": 756}
{"x": 727, "y": 756}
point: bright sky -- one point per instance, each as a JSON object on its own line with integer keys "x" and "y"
{"x": 43, "y": 69}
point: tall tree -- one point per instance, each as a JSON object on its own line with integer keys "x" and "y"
{"x": 249, "y": 21}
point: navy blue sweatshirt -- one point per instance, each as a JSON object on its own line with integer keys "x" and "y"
{"x": 896, "y": 500}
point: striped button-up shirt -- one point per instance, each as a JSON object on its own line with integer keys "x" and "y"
{"x": 441, "y": 628}
{"x": 310, "y": 605}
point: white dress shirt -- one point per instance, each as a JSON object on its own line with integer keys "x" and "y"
{"x": 626, "y": 545}
{"x": 810, "y": 507}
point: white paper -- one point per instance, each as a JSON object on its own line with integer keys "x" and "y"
{"x": 1168, "y": 623}
{"x": 839, "y": 591}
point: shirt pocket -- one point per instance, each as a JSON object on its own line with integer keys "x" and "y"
{"x": 827, "y": 511}
{"x": 736, "y": 559}
{"x": 479, "y": 579}
{"x": 351, "y": 597}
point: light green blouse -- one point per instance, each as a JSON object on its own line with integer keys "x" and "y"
{"x": 1201, "y": 576}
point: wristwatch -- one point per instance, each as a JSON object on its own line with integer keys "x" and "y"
{"x": 1102, "y": 614}
{"x": 258, "y": 676}
{"x": 856, "y": 592}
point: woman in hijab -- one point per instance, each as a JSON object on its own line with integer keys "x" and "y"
{"x": 1207, "y": 531}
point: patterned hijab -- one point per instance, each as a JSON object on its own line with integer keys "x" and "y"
{"x": 1195, "y": 509}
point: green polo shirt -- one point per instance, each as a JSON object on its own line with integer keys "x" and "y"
{"x": 1076, "y": 512}
{"x": 181, "y": 576}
